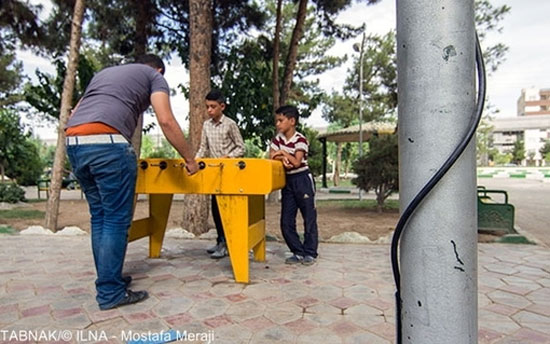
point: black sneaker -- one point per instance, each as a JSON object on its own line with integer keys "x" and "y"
{"x": 131, "y": 297}
{"x": 220, "y": 252}
{"x": 308, "y": 260}
{"x": 213, "y": 249}
{"x": 127, "y": 280}
{"x": 295, "y": 259}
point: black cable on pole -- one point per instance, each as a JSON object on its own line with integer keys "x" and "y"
{"x": 408, "y": 212}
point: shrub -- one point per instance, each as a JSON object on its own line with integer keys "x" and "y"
{"x": 379, "y": 168}
{"x": 11, "y": 193}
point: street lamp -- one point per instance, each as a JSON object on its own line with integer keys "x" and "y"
{"x": 359, "y": 48}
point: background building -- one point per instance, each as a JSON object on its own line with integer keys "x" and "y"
{"x": 534, "y": 101}
{"x": 533, "y": 130}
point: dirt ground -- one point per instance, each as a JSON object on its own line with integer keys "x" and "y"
{"x": 332, "y": 220}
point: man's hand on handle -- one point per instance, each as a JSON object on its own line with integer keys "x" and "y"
{"x": 192, "y": 167}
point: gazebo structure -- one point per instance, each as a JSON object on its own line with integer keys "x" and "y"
{"x": 352, "y": 134}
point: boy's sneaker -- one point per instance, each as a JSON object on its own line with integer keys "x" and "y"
{"x": 295, "y": 259}
{"x": 213, "y": 249}
{"x": 220, "y": 252}
{"x": 308, "y": 260}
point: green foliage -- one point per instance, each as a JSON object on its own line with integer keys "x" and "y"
{"x": 315, "y": 151}
{"x": 7, "y": 230}
{"x": 253, "y": 149}
{"x": 378, "y": 169}
{"x": 21, "y": 214}
{"x": 45, "y": 96}
{"x": 10, "y": 78}
{"x": 369, "y": 204}
{"x": 545, "y": 149}
{"x": 484, "y": 141}
{"x": 502, "y": 159}
{"x": 151, "y": 150}
{"x": 28, "y": 165}
{"x": 246, "y": 77}
{"x": 518, "y": 152}
{"x": 12, "y": 139}
{"x": 488, "y": 19}
{"x": 11, "y": 193}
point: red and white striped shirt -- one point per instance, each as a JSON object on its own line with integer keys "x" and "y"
{"x": 296, "y": 143}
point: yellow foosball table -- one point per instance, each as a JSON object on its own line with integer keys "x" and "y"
{"x": 240, "y": 186}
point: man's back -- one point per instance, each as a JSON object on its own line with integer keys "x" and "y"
{"x": 117, "y": 96}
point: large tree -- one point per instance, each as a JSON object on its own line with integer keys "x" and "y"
{"x": 196, "y": 206}
{"x": 52, "y": 208}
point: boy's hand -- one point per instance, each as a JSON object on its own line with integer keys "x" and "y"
{"x": 276, "y": 154}
{"x": 286, "y": 163}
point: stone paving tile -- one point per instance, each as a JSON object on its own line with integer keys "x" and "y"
{"x": 509, "y": 299}
{"x": 245, "y": 310}
{"x": 486, "y": 336}
{"x": 208, "y": 308}
{"x": 344, "y": 298}
{"x": 540, "y": 309}
{"x": 365, "y": 337}
{"x": 525, "y": 336}
{"x": 501, "y": 309}
{"x": 232, "y": 334}
{"x": 277, "y": 334}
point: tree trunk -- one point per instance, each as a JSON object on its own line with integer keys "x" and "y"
{"x": 143, "y": 20}
{"x": 337, "y": 164}
{"x": 195, "y": 212}
{"x": 293, "y": 50}
{"x": 52, "y": 207}
{"x": 144, "y": 17}
{"x": 380, "y": 192}
{"x": 136, "y": 136}
{"x": 276, "y": 45}
{"x": 273, "y": 197}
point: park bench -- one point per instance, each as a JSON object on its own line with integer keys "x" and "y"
{"x": 43, "y": 185}
{"x": 494, "y": 213}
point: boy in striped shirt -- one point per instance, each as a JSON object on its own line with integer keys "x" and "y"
{"x": 291, "y": 147}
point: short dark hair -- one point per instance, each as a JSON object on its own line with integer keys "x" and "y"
{"x": 152, "y": 61}
{"x": 289, "y": 111}
{"x": 216, "y": 95}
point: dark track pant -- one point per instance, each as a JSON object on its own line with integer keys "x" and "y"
{"x": 217, "y": 220}
{"x": 299, "y": 193}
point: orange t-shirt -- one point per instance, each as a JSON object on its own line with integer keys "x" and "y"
{"x": 93, "y": 128}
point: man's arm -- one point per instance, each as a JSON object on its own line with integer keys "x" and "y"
{"x": 171, "y": 129}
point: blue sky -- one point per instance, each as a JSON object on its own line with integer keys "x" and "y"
{"x": 526, "y": 32}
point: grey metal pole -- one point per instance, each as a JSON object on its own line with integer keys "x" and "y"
{"x": 438, "y": 252}
{"x": 361, "y": 55}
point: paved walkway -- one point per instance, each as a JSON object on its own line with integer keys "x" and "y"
{"x": 46, "y": 289}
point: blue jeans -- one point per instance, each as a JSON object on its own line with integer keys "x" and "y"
{"x": 107, "y": 175}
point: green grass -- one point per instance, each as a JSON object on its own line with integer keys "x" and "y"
{"x": 344, "y": 183}
{"x": 7, "y": 230}
{"x": 514, "y": 239}
{"x": 21, "y": 214}
{"x": 354, "y": 203}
